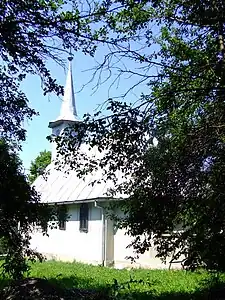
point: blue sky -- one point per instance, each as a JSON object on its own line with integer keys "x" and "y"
{"x": 49, "y": 106}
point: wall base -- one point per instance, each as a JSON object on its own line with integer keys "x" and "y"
{"x": 126, "y": 264}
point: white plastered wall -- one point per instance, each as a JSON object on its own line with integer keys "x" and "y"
{"x": 146, "y": 260}
{"x": 71, "y": 244}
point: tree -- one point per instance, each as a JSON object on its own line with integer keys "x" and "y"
{"x": 20, "y": 211}
{"x": 178, "y": 183}
{"x": 178, "y": 48}
{"x": 39, "y": 165}
{"x": 31, "y": 33}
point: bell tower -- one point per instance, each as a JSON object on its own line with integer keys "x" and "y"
{"x": 68, "y": 112}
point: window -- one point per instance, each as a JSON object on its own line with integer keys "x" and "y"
{"x": 84, "y": 217}
{"x": 62, "y": 217}
{"x": 62, "y": 225}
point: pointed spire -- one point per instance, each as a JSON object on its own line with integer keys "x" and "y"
{"x": 68, "y": 110}
{"x": 68, "y": 113}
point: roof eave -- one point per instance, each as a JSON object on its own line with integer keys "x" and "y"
{"x": 101, "y": 199}
{"x": 60, "y": 121}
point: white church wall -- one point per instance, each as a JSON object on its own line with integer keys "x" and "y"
{"x": 71, "y": 244}
{"x": 121, "y": 252}
{"x": 146, "y": 260}
{"x": 109, "y": 254}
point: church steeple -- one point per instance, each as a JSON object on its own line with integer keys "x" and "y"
{"x": 68, "y": 108}
{"x": 68, "y": 111}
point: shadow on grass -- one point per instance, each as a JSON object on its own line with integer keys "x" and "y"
{"x": 4, "y": 282}
{"x": 209, "y": 290}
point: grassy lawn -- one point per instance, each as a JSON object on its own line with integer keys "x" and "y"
{"x": 147, "y": 284}
{"x": 155, "y": 283}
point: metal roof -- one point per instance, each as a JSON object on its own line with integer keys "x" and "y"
{"x": 56, "y": 186}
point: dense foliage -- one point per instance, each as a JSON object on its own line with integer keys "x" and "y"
{"x": 20, "y": 210}
{"x": 31, "y": 34}
{"x": 38, "y": 166}
{"x": 177, "y": 48}
{"x": 175, "y": 186}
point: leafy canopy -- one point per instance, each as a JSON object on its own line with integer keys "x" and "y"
{"x": 20, "y": 211}
{"x": 31, "y": 34}
{"x": 39, "y": 165}
{"x": 177, "y": 186}
{"x": 177, "y": 48}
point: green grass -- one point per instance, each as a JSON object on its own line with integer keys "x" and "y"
{"x": 148, "y": 284}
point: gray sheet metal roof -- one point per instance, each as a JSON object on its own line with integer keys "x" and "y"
{"x": 56, "y": 186}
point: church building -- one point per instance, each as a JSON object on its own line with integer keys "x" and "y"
{"x": 88, "y": 235}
